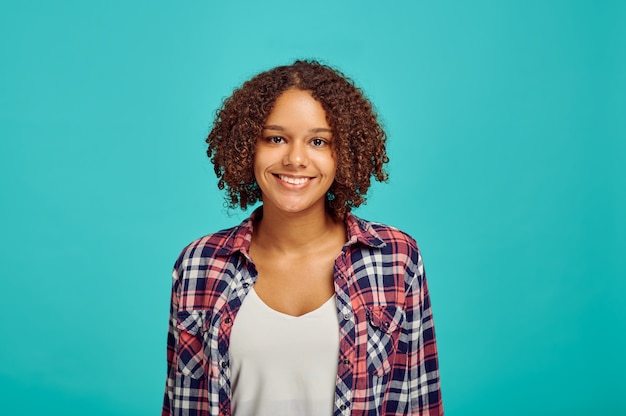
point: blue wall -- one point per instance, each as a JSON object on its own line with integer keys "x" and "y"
{"x": 506, "y": 124}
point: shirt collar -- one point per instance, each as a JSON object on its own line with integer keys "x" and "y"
{"x": 359, "y": 231}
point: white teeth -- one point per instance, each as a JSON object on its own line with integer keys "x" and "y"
{"x": 293, "y": 181}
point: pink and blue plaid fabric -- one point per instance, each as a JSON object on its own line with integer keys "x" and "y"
{"x": 388, "y": 356}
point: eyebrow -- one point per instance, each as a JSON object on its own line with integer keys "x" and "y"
{"x": 280, "y": 128}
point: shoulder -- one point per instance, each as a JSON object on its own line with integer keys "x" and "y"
{"x": 391, "y": 238}
{"x": 207, "y": 247}
{"x": 393, "y": 235}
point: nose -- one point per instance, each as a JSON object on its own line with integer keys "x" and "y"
{"x": 296, "y": 155}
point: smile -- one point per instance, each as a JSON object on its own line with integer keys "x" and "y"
{"x": 293, "y": 181}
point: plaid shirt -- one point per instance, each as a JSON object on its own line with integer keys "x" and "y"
{"x": 387, "y": 352}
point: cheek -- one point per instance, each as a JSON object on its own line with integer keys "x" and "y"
{"x": 257, "y": 160}
{"x": 332, "y": 165}
{"x": 256, "y": 169}
{"x": 260, "y": 163}
{"x": 336, "y": 172}
{"x": 333, "y": 169}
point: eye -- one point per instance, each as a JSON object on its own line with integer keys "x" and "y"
{"x": 318, "y": 142}
{"x": 274, "y": 139}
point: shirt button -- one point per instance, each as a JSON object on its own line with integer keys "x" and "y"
{"x": 245, "y": 285}
{"x": 346, "y": 316}
{"x": 346, "y": 361}
{"x": 343, "y": 407}
{"x": 227, "y": 320}
{"x": 386, "y": 324}
{"x": 224, "y": 365}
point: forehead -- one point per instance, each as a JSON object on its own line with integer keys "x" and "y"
{"x": 297, "y": 108}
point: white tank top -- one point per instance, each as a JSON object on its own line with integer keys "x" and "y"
{"x": 282, "y": 365}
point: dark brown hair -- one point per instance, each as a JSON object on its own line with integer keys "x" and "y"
{"x": 358, "y": 138}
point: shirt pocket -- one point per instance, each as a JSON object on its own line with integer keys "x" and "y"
{"x": 384, "y": 324}
{"x": 192, "y": 327}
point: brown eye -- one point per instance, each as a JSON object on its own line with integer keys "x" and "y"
{"x": 275, "y": 139}
{"x": 317, "y": 142}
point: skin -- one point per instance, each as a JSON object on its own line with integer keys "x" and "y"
{"x": 295, "y": 243}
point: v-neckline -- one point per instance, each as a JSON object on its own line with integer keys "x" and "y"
{"x": 315, "y": 311}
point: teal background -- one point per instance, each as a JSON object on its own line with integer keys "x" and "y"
{"x": 506, "y": 124}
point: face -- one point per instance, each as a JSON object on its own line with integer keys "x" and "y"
{"x": 294, "y": 163}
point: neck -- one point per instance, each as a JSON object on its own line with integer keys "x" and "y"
{"x": 286, "y": 232}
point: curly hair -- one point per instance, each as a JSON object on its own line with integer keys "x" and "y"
{"x": 358, "y": 138}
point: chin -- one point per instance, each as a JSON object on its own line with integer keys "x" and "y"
{"x": 295, "y": 205}
{"x": 293, "y": 210}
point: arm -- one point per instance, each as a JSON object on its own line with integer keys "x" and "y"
{"x": 172, "y": 342}
{"x": 424, "y": 385}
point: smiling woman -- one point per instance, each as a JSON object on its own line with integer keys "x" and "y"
{"x": 304, "y": 308}
{"x": 294, "y": 164}
{"x": 359, "y": 140}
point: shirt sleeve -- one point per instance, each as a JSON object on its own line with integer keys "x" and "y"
{"x": 172, "y": 342}
{"x": 424, "y": 386}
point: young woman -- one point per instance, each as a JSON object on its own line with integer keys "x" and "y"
{"x": 304, "y": 308}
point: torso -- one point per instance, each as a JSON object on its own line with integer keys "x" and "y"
{"x": 296, "y": 356}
